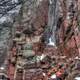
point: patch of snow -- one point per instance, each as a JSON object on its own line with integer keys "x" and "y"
{"x": 53, "y": 76}
{"x": 16, "y": 10}
{"x": 14, "y": 1}
{"x": 42, "y": 57}
{"x": 50, "y": 1}
{"x": 44, "y": 74}
{"x": 2, "y": 19}
{"x": 77, "y": 78}
{"x": 40, "y": 0}
{"x": 51, "y": 43}
{"x": 2, "y": 68}
{"x": 77, "y": 57}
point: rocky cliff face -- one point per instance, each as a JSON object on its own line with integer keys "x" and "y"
{"x": 33, "y": 14}
{"x": 8, "y": 10}
{"x": 68, "y": 29}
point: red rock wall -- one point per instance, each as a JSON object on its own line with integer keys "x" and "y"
{"x": 41, "y": 16}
